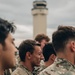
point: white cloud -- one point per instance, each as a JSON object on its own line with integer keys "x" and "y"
{"x": 62, "y": 12}
{"x": 24, "y": 28}
{"x": 23, "y": 32}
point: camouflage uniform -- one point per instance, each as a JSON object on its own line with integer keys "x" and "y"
{"x": 40, "y": 68}
{"x": 7, "y": 72}
{"x": 21, "y": 70}
{"x": 59, "y": 67}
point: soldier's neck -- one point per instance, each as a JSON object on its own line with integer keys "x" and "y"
{"x": 48, "y": 63}
{"x": 68, "y": 56}
{"x": 28, "y": 66}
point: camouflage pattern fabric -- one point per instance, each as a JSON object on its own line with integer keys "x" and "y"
{"x": 21, "y": 70}
{"x": 40, "y": 68}
{"x": 59, "y": 67}
{"x": 7, "y": 72}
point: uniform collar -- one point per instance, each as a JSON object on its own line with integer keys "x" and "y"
{"x": 64, "y": 63}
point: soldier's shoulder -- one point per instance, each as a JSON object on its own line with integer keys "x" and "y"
{"x": 18, "y": 71}
{"x": 48, "y": 71}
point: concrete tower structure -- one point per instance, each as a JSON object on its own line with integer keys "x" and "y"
{"x": 39, "y": 12}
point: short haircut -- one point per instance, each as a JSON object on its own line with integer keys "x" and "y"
{"x": 40, "y": 37}
{"x": 61, "y": 37}
{"x": 48, "y": 50}
{"x": 26, "y": 46}
{"x": 5, "y": 28}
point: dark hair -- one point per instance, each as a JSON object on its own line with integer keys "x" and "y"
{"x": 48, "y": 50}
{"x": 5, "y": 29}
{"x": 40, "y": 37}
{"x": 26, "y": 46}
{"x": 61, "y": 37}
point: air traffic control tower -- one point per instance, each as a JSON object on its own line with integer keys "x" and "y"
{"x": 39, "y": 12}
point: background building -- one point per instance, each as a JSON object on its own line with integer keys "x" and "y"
{"x": 39, "y": 12}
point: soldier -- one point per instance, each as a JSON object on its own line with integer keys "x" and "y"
{"x": 42, "y": 39}
{"x": 7, "y": 47}
{"x": 64, "y": 44}
{"x": 49, "y": 56}
{"x": 30, "y": 54}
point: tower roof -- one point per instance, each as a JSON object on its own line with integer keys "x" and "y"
{"x": 39, "y": 4}
{"x": 39, "y": 0}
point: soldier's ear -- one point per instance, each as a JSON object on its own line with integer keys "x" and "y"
{"x": 72, "y": 46}
{"x": 52, "y": 57}
{"x": 28, "y": 55}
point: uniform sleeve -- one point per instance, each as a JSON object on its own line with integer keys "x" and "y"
{"x": 42, "y": 73}
{"x": 15, "y": 72}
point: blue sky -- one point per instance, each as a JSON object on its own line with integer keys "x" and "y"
{"x": 60, "y": 12}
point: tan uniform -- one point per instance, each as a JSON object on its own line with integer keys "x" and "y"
{"x": 21, "y": 70}
{"x": 59, "y": 67}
